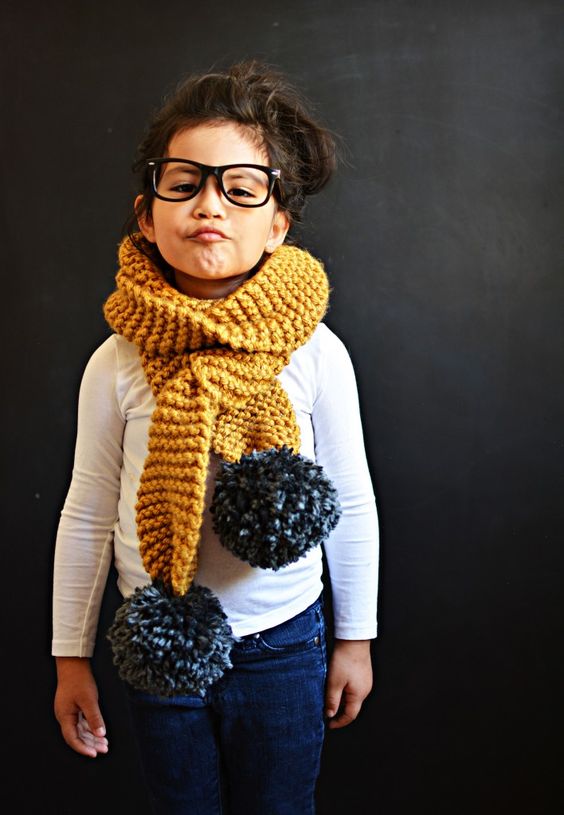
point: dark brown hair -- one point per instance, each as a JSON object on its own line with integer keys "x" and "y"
{"x": 256, "y": 95}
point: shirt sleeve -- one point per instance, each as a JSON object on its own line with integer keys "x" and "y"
{"x": 84, "y": 541}
{"x": 352, "y": 548}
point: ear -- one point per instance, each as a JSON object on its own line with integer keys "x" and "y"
{"x": 278, "y": 230}
{"x": 145, "y": 221}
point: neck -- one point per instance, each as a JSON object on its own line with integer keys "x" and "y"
{"x": 208, "y": 289}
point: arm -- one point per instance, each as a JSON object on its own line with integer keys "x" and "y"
{"x": 83, "y": 551}
{"x": 352, "y": 548}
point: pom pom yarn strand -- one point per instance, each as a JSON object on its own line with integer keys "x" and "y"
{"x": 170, "y": 645}
{"x": 271, "y": 507}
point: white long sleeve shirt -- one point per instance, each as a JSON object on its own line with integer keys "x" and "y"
{"x": 97, "y": 521}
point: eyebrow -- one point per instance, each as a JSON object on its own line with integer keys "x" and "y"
{"x": 182, "y": 167}
{"x": 246, "y": 172}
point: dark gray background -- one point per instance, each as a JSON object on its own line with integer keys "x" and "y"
{"x": 442, "y": 237}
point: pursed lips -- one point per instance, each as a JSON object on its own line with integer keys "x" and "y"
{"x": 208, "y": 235}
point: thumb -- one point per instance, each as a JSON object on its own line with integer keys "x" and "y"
{"x": 91, "y": 712}
{"x": 333, "y": 697}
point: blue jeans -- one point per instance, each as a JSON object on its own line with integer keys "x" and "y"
{"x": 252, "y": 745}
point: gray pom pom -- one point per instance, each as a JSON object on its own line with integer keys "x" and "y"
{"x": 271, "y": 507}
{"x": 170, "y": 645}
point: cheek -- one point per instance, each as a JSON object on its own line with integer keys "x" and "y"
{"x": 166, "y": 224}
{"x": 261, "y": 229}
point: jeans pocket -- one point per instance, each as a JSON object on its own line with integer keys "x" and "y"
{"x": 302, "y": 632}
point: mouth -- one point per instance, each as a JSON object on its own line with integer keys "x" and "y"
{"x": 207, "y": 234}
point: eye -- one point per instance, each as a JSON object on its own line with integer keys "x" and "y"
{"x": 240, "y": 192}
{"x": 245, "y": 185}
{"x": 178, "y": 180}
{"x": 185, "y": 187}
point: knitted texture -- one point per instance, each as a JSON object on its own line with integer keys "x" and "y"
{"x": 212, "y": 367}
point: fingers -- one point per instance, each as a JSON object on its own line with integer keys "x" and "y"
{"x": 346, "y": 714}
{"x": 69, "y": 729}
{"x": 342, "y": 706}
{"x": 91, "y": 718}
{"x": 79, "y": 734}
{"x": 95, "y": 739}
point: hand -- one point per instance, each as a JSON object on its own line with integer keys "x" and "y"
{"x": 76, "y": 707}
{"x": 349, "y": 681}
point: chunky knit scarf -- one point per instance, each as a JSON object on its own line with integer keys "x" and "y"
{"x": 212, "y": 367}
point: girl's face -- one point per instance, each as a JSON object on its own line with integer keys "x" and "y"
{"x": 211, "y": 264}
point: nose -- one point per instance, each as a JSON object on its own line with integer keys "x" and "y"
{"x": 209, "y": 202}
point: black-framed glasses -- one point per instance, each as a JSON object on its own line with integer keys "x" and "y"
{"x": 178, "y": 179}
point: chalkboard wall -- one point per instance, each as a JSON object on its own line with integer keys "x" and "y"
{"x": 442, "y": 237}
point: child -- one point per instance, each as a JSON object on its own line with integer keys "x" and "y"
{"x": 219, "y": 455}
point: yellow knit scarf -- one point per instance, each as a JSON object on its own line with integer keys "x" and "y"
{"x": 212, "y": 366}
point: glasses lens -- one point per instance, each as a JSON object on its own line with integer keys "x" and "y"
{"x": 246, "y": 186}
{"x": 177, "y": 181}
